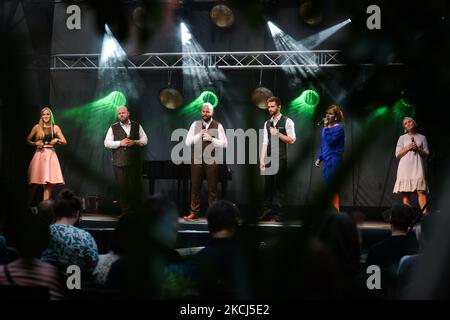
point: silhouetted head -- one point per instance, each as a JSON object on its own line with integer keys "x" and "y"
{"x": 45, "y": 211}
{"x": 222, "y": 215}
{"x": 67, "y": 205}
{"x": 401, "y": 217}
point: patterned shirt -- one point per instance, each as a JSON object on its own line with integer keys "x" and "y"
{"x": 71, "y": 246}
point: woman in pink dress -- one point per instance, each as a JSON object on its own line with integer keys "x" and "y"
{"x": 412, "y": 150}
{"x": 44, "y": 168}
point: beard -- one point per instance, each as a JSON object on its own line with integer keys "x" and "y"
{"x": 206, "y": 118}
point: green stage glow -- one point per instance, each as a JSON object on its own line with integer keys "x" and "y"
{"x": 378, "y": 114}
{"x": 209, "y": 96}
{"x": 305, "y": 104}
{"x": 193, "y": 108}
{"x": 403, "y": 108}
{"x": 103, "y": 110}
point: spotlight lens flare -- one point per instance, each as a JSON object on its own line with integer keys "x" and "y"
{"x": 274, "y": 30}
{"x": 185, "y": 35}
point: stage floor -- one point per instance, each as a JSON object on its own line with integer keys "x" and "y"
{"x": 194, "y": 234}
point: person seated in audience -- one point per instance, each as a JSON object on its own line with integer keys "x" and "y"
{"x": 220, "y": 268}
{"x": 45, "y": 211}
{"x": 387, "y": 253}
{"x": 4, "y": 255}
{"x": 408, "y": 263}
{"x": 153, "y": 269}
{"x": 340, "y": 235}
{"x": 28, "y": 269}
{"x": 119, "y": 248}
{"x": 68, "y": 244}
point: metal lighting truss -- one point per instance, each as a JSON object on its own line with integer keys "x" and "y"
{"x": 220, "y": 60}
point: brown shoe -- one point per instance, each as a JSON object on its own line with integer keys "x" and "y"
{"x": 191, "y": 217}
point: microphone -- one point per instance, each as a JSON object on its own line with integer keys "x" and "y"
{"x": 272, "y": 125}
{"x": 412, "y": 140}
{"x": 321, "y": 122}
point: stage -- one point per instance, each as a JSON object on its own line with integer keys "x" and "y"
{"x": 193, "y": 235}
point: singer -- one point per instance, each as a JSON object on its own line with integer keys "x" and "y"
{"x": 44, "y": 168}
{"x": 125, "y": 138}
{"x": 202, "y": 134}
{"x": 332, "y": 146}
{"x": 412, "y": 149}
{"x": 282, "y": 128}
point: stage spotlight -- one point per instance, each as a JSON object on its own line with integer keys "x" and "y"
{"x": 222, "y": 16}
{"x": 310, "y": 98}
{"x": 274, "y": 30}
{"x": 316, "y": 39}
{"x": 260, "y": 96}
{"x": 170, "y": 98}
{"x": 193, "y": 108}
{"x": 305, "y": 103}
{"x": 403, "y": 108}
{"x": 311, "y": 12}
{"x": 185, "y": 35}
{"x": 378, "y": 114}
{"x": 209, "y": 96}
{"x": 103, "y": 109}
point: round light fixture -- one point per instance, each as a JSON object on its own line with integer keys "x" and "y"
{"x": 170, "y": 98}
{"x": 260, "y": 96}
{"x": 311, "y": 12}
{"x": 222, "y": 16}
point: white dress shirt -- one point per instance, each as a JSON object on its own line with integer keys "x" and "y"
{"x": 290, "y": 130}
{"x": 220, "y": 142}
{"x": 111, "y": 144}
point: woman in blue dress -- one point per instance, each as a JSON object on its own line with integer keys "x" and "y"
{"x": 332, "y": 146}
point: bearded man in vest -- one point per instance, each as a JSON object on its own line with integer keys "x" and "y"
{"x": 205, "y": 135}
{"x": 279, "y": 132}
{"x": 125, "y": 138}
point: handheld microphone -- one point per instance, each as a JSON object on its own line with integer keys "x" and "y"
{"x": 321, "y": 122}
{"x": 412, "y": 140}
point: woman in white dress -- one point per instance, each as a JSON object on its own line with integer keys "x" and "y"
{"x": 412, "y": 149}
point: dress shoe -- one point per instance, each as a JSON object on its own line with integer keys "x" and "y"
{"x": 191, "y": 217}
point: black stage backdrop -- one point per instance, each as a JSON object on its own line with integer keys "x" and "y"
{"x": 358, "y": 89}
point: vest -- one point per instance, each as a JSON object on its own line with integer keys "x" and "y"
{"x": 125, "y": 156}
{"x": 282, "y": 146}
{"x": 213, "y": 132}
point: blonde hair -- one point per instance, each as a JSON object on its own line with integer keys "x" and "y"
{"x": 408, "y": 118}
{"x": 40, "y": 133}
{"x": 338, "y": 112}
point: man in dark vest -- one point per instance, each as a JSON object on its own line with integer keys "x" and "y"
{"x": 125, "y": 138}
{"x": 205, "y": 135}
{"x": 279, "y": 131}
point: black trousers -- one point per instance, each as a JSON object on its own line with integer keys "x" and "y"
{"x": 275, "y": 190}
{"x": 130, "y": 187}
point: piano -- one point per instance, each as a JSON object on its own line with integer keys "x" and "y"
{"x": 166, "y": 170}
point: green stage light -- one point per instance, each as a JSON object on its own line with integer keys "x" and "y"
{"x": 378, "y": 114}
{"x": 403, "y": 108}
{"x": 93, "y": 113}
{"x": 209, "y": 96}
{"x": 193, "y": 108}
{"x": 306, "y": 103}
